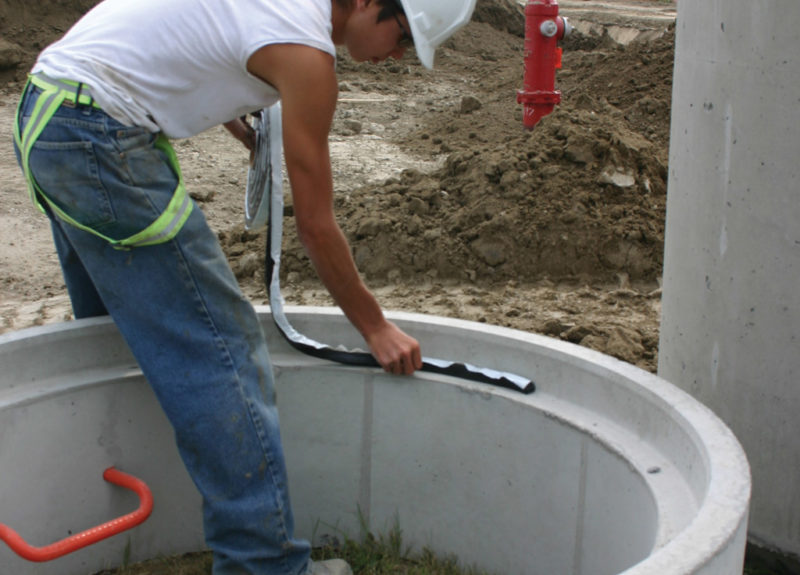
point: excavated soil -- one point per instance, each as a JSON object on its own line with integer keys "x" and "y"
{"x": 451, "y": 207}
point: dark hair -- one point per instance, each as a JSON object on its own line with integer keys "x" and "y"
{"x": 389, "y": 8}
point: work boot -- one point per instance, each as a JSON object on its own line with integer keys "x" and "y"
{"x": 331, "y": 567}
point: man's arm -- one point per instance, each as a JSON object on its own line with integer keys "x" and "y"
{"x": 306, "y": 80}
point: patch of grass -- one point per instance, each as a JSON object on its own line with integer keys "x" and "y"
{"x": 374, "y": 555}
{"x": 762, "y": 561}
{"x": 387, "y": 555}
{"x": 198, "y": 563}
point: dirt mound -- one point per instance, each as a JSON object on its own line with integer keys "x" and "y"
{"x": 580, "y": 196}
{"x": 27, "y": 27}
{"x": 451, "y": 207}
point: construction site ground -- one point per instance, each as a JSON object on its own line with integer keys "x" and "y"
{"x": 451, "y": 207}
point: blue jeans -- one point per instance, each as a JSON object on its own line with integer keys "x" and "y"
{"x": 194, "y": 335}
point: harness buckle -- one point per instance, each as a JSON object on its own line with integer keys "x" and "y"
{"x": 78, "y": 102}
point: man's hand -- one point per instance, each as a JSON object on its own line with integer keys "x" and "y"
{"x": 394, "y": 350}
{"x": 243, "y": 132}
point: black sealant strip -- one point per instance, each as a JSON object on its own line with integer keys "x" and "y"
{"x": 265, "y": 198}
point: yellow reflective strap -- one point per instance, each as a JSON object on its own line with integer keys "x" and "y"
{"x": 170, "y": 222}
{"x": 17, "y": 118}
{"x": 45, "y": 107}
{"x": 71, "y": 221}
{"x": 76, "y": 96}
{"x": 18, "y": 142}
{"x": 163, "y": 229}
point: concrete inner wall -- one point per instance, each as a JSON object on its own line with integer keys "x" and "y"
{"x": 496, "y": 482}
{"x": 730, "y": 332}
{"x": 495, "y": 479}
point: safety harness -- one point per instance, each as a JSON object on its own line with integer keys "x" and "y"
{"x": 54, "y": 94}
{"x": 264, "y": 207}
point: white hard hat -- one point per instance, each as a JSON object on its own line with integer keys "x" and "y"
{"x": 434, "y": 21}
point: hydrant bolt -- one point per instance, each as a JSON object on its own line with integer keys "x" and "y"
{"x": 548, "y": 28}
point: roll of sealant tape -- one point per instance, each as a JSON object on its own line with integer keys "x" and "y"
{"x": 265, "y": 170}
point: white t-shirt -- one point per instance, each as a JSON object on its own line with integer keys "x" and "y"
{"x": 180, "y": 66}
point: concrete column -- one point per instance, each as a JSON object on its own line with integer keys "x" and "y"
{"x": 730, "y": 331}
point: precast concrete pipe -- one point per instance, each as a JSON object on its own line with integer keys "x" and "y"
{"x": 606, "y": 469}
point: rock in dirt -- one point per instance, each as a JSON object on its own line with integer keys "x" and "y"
{"x": 10, "y": 54}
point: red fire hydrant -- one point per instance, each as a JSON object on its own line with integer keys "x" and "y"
{"x": 543, "y": 30}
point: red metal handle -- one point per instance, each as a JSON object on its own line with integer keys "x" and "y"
{"x": 90, "y": 536}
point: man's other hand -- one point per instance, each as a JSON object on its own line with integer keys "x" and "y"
{"x": 242, "y": 131}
